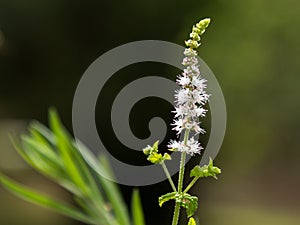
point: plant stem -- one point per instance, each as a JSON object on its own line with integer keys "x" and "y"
{"x": 191, "y": 184}
{"x": 168, "y": 176}
{"x": 180, "y": 179}
{"x": 181, "y": 172}
{"x": 176, "y": 213}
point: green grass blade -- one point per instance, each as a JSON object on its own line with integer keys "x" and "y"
{"x": 77, "y": 169}
{"x": 45, "y": 154}
{"x": 64, "y": 147}
{"x": 43, "y": 136}
{"x": 73, "y": 161}
{"x": 110, "y": 189}
{"x": 61, "y": 181}
{"x": 42, "y": 200}
{"x": 114, "y": 195}
{"x": 137, "y": 209}
{"x": 17, "y": 146}
{"x": 39, "y": 142}
{"x": 55, "y": 154}
{"x": 43, "y": 131}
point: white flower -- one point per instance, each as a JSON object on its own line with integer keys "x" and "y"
{"x": 183, "y": 80}
{"x": 178, "y": 125}
{"x": 191, "y": 147}
{"x": 199, "y": 130}
{"x": 181, "y": 110}
{"x": 199, "y": 84}
{"x": 190, "y": 98}
{"x": 182, "y": 96}
{"x": 200, "y": 112}
{"x": 194, "y": 147}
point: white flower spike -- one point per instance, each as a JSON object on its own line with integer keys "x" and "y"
{"x": 191, "y": 97}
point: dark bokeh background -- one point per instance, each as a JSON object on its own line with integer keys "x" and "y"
{"x": 252, "y": 47}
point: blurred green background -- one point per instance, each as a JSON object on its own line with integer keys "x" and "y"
{"x": 252, "y": 47}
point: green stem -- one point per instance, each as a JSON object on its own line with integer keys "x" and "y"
{"x": 180, "y": 179}
{"x": 191, "y": 184}
{"x": 176, "y": 213}
{"x": 168, "y": 176}
{"x": 181, "y": 172}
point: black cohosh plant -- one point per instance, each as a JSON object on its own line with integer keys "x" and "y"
{"x": 190, "y": 99}
{"x": 55, "y": 154}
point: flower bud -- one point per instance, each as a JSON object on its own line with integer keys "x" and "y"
{"x": 203, "y": 24}
{"x": 192, "y": 44}
{"x": 195, "y": 36}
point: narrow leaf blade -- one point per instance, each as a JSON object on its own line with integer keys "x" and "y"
{"x": 42, "y": 200}
{"x": 137, "y": 209}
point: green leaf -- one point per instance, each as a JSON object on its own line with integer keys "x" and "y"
{"x": 190, "y": 203}
{"x": 76, "y": 167}
{"x": 47, "y": 135}
{"x": 153, "y": 155}
{"x": 155, "y": 158}
{"x": 45, "y": 201}
{"x": 64, "y": 145}
{"x": 167, "y": 157}
{"x": 155, "y": 146}
{"x": 113, "y": 193}
{"x": 56, "y": 155}
{"x": 43, "y": 152}
{"x": 198, "y": 171}
{"x": 43, "y": 131}
{"x": 192, "y": 221}
{"x": 205, "y": 171}
{"x": 166, "y": 197}
{"x": 21, "y": 151}
{"x": 41, "y": 163}
{"x": 41, "y": 142}
{"x": 64, "y": 182}
{"x": 137, "y": 209}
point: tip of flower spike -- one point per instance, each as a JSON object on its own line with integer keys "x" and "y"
{"x": 197, "y": 31}
{"x": 203, "y": 23}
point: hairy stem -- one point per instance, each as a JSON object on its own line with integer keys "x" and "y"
{"x": 191, "y": 184}
{"x": 180, "y": 179}
{"x": 168, "y": 176}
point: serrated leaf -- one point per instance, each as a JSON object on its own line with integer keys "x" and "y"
{"x": 166, "y": 197}
{"x": 198, "y": 171}
{"x": 190, "y": 203}
{"x": 205, "y": 171}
